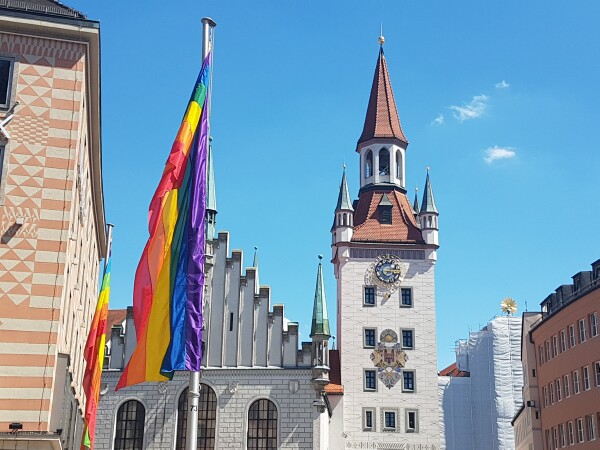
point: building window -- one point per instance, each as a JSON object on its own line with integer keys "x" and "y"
{"x": 207, "y": 418}
{"x": 368, "y": 419}
{"x": 582, "y": 336}
{"x": 412, "y": 421}
{"x": 545, "y": 397}
{"x": 262, "y": 425}
{"x": 369, "y": 164}
{"x": 385, "y": 214}
{"x": 384, "y": 162}
{"x": 571, "y": 433}
{"x": 554, "y": 346}
{"x": 370, "y": 376}
{"x": 369, "y": 296}
{"x": 398, "y": 164}
{"x": 555, "y": 437}
{"x": 580, "y": 430}
{"x": 567, "y": 386}
{"x": 551, "y": 390}
{"x": 591, "y": 430}
{"x": 597, "y": 373}
{"x": 408, "y": 381}
{"x": 130, "y": 426}
{"x": 6, "y": 70}
{"x": 406, "y": 297}
{"x": 576, "y": 382}
{"x": 571, "y": 336}
{"x": 594, "y": 324}
{"x": 561, "y": 434}
{"x": 558, "y": 391}
{"x": 563, "y": 341}
{"x": 586, "y": 378}
{"x": 548, "y": 357}
{"x": 407, "y": 339}
{"x": 389, "y": 420}
{"x": 541, "y": 353}
{"x": 548, "y": 443}
{"x": 369, "y": 341}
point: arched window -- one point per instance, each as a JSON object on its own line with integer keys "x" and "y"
{"x": 262, "y": 425}
{"x": 398, "y": 164}
{"x": 207, "y": 418}
{"x": 384, "y": 162}
{"x": 369, "y": 164}
{"x": 429, "y": 221}
{"x": 130, "y": 426}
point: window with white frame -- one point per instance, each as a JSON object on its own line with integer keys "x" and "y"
{"x": 591, "y": 428}
{"x": 567, "y": 386}
{"x": 576, "y": 387}
{"x": 408, "y": 381}
{"x": 6, "y": 71}
{"x": 389, "y": 420}
{"x": 594, "y": 324}
{"x": 554, "y": 346}
{"x": 582, "y": 333}
{"x": 580, "y": 430}
{"x": 408, "y": 339}
{"x": 370, "y": 380}
{"x": 545, "y": 397}
{"x": 406, "y": 297}
{"x": 412, "y": 421}
{"x": 571, "y": 433}
{"x": 558, "y": 390}
{"x": 541, "y": 353}
{"x": 368, "y": 419}
{"x": 571, "y": 336}
{"x": 555, "y": 437}
{"x": 369, "y": 296}
{"x": 548, "y": 357}
{"x": 597, "y": 373}
{"x": 369, "y": 337}
{"x": 586, "y": 378}
{"x": 563, "y": 341}
{"x": 561, "y": 435}
{"x": 551, "y": 390}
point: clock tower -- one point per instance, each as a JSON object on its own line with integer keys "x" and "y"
{"x": 384, "y": 254}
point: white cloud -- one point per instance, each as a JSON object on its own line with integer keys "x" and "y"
{"x": 495, "y": 153}
{"x": 502, "y": 85}
{"x": 438, "y": 120}
{"x": 475, "y": 108}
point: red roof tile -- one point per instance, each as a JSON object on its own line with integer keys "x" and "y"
{"x": 367, "y": 227}
{"x": 115, "y": 317}
{"x": 452, "y": 371}
{"x": 335, "y": 377}
{"x": 382, "y": 119}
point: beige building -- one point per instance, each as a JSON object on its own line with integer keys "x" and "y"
{"x": 51, "y": 215}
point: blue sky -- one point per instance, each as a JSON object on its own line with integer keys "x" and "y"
{"x": 500, "y": 99}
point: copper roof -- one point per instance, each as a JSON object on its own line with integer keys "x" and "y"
{"x": 367, "y": 227}
{"x": 335, "y": 377}
{"x": 382, "y": 119}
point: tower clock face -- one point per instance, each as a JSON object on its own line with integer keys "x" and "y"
{"x": 385, "y": 272}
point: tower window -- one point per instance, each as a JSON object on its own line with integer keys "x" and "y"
{"x": 406, "y": 300}
{"x": 5, "y": 81}
{"x": 369, "y": 164}
{"x": 412, "y": 424}
{"x": 398, "y": 164}
{"x": 369, "y": 296}
{"x": 370, "y": 383}
{"x": 407, "y": 339}
{"x": 368, "y": 419}
{"x": 389, "y": 420}
{"x": 369, "y": 338}
{"x": 385, "y": 214}
{"x": 384, "y": 162}
{"x": 408, "y": 382}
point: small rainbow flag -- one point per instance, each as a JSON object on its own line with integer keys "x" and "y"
{"x": 169, "y": 281}
{"x": 94, "y": 358}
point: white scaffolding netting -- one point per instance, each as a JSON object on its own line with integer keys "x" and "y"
{"x": 476, "y": 411}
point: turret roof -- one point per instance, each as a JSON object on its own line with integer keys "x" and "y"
{"x": 344, "y": 201}
{"x": 428, "y": 203}
{"x": 382, "y": 119}
{"x": 320, "y": 318}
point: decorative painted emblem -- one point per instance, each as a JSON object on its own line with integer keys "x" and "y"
{"x": 293, "y": 386}
{"x": 389, "y": 358}
{"x": 386, "y": 273}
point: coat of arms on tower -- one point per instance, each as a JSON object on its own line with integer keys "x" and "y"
{"x": 389, "y": 358}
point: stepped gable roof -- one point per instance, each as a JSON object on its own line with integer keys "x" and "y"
{"x": 382, "y": 119}
{"x": 367, "y": 227}
{"x": 42, "y": 7}
{"x": 335, "y": 377}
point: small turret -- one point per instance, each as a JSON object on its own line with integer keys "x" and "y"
{"x": 343, "y": 222}
{"x": 415, "y": 206}
{"x": 428, "y": 215}
{"x": 320, "y": 334}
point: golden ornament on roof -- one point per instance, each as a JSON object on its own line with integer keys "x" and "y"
{"x": 381, "y": 40}
{"x": 509, "y": 306}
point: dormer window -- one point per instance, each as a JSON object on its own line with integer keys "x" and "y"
{"x": 385, "y": 210}
{"x": 384, "y": 162}
{"x": 369, "y": 164}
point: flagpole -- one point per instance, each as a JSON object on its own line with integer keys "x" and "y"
{"x": 109, "y": 228}
{"x": 191, "y": 441}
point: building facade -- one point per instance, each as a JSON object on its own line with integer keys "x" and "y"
{"x": 384, "y": 253}
{"x": 566, "y": 364}
{"x": 478, "y": 400}
{"x": 51, "y": 215}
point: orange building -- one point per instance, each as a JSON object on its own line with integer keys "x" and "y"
{"x": 566, "y": 364}
{"x": 52, "y": 222}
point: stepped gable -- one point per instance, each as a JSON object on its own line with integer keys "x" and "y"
{"x": 367, "y": 227}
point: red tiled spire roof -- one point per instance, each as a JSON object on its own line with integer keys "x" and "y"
{"x": 382, "y": 119}
{"x": 368, "y": 228}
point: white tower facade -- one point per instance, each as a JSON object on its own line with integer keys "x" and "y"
{"x": 385, "y": 277}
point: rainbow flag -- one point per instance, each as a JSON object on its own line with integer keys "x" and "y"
{"x": 169, "y": 281}
{"x": 94, "y": 358}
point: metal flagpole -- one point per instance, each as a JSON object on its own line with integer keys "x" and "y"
{"x": 191, "y": 440}
{"x": 109, "y": 228}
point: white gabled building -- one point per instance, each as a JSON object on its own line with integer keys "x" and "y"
{"x": 384, "y": 254}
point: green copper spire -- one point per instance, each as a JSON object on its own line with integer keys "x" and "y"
{"x": 416, "y": 208}
{"x": 211, "y": 196}
{"x": 344, "y": 201}
{"x": 428, "y": 203}
{"x": 320, "y": 319}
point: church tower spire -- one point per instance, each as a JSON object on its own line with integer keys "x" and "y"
{"x": 382, "y": 144}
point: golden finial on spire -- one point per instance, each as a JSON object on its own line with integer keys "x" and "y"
{"x": 381, "y": 40}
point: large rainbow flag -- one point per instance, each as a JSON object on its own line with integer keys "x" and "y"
{"x": 169, "y": 281}
{"x": 94, "y": 358}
